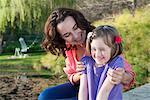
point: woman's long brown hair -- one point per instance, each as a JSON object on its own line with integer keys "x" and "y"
{"x": 53, "y": 42}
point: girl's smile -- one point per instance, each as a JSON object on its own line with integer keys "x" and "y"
{"x": 100, "y": 51}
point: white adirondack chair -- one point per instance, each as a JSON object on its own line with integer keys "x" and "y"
{"x": 24, "y": 47}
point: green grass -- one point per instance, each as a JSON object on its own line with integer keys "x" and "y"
{"x": 22, "y": 65}
{"x": 6, "y": 60}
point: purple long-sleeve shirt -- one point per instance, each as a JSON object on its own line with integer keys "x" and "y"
{"x": 97, "y": 75}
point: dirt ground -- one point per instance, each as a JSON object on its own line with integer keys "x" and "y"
{"x": 23, "y": 88}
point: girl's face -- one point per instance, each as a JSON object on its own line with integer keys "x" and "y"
{"x": 70, "y": 32}
{"x": 101, "y": 53}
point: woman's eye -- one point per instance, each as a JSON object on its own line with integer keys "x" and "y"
{"x": 67, "y": 35}
{"x": 75, "y": 27}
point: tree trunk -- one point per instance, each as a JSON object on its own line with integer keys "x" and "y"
{"x": 140, "y": 3}
{"x": 1, "y": 44}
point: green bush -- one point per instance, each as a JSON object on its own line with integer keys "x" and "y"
{"x": 53, "y": 63}
{"x": 33, "y": 41}
{"x": 10, "y": 46}
{"x": 136, "y": 33}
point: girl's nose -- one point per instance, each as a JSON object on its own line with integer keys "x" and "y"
{"x": 99, "y": 53}
{"x": 102, "y": 53}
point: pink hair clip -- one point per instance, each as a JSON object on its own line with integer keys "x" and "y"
{"x": 118, "y": 39}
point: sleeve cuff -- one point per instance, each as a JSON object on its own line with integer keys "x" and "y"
{"x": 71, "y": 79}
{"x": 130, "y": 84}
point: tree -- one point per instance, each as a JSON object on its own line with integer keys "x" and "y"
{"x": 27, "y": 15}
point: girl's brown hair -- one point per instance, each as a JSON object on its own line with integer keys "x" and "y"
{"x": 108, "y": 34}
{"x": 53, "y": 42}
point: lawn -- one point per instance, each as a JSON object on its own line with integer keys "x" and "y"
{"x": 22, "y": 65}
{"x": 22, "y": 77}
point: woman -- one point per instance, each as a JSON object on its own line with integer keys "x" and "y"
{"x": 65, "y": 33}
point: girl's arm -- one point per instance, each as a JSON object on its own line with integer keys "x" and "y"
{"x": 83, "y": 90}
{"x": 105, "y": 90}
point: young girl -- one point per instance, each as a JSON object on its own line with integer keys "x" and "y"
{"x": 105, "y": 46}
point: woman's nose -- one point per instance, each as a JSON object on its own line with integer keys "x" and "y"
{"x": 75, "y": 35}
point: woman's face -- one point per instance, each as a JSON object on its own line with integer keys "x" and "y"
{"x": 70, "y": 32}
{"x": 101, "y": 53}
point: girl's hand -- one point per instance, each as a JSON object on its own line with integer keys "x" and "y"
{"x": 80, "y": 66}
{"x": 115, "y": 76}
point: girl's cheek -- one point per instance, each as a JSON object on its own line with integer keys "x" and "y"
{"x": 93, "y": 54}
{"x": 103, "y": 53}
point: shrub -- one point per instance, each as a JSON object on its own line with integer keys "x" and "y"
{"x": 135, "y": 32}
{"x": 53, "y": 63}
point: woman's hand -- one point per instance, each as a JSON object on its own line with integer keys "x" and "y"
{"x": 116, "y": 76}
{"x": 80, "y": 66}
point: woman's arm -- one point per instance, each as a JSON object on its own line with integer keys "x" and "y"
{"x": 127, "y": 78}
{"x": 105, "y": 90}
{"x": 119, "y": 75}
{"x": 83, "y": 90}
{"x": 74, "y": 73}
{"x": 122, "y": 75}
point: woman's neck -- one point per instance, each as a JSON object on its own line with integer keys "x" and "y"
{"x": 80, "y": 51}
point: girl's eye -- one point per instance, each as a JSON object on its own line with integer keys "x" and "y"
{"x": 102, "y": 49}
{"x": 93, "y": 49}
